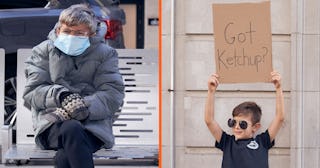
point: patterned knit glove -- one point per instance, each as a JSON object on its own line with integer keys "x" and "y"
{"x": 58, "y": 115}
{"x": 75, "y": 106}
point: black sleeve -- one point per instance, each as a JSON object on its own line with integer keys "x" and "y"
{"x": 264, "y": 140}
{"x": 223, "y": 141}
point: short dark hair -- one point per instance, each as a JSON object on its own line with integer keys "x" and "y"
{"x": 247, "y": 108}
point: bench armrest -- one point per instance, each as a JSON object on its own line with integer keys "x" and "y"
{"x": 6, "y": 134}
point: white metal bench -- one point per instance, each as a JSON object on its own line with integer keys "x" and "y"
{"x": 135, "y": 130}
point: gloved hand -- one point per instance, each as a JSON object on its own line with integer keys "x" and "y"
{"x": 58, "y": 114}
{"x": 74, "y": 105}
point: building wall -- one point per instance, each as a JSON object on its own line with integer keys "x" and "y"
{"x": 151, "y": 32}
{"x": 151, "y": 38}
{"x": 305, "y": 86}
{"x": 295, "y": 42}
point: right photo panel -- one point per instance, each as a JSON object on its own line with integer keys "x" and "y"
{"x": 240, "y": 83}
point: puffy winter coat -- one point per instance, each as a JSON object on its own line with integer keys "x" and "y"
{"x": 94, "y": 75}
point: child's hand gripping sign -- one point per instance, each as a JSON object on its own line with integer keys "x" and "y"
{"x": 243, "y": 51}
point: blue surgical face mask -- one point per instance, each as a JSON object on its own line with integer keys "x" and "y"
{"x": 72, "y": 45}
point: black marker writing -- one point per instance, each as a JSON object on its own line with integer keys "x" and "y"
{"x": 239, "y": 56}
{"x": 240, "y": 37}
{"x": 240, "y": 59}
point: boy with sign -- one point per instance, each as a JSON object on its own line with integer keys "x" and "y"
{"x": 243, "y": 149}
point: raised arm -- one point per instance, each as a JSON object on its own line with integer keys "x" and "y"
{"x": 279, "y": 117}
{"x": 213, "y": 126}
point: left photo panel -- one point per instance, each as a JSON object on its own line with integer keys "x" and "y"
{"x": 80, "y": 83}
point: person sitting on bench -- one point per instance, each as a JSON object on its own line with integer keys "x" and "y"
{"x": 74, "y": 89}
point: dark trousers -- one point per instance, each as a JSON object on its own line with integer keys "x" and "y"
{"x": 73, "y": 143}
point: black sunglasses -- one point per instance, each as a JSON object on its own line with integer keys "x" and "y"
{"x": 232, "y": 123}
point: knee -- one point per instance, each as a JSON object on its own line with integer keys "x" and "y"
{"x": 71, "y": 127}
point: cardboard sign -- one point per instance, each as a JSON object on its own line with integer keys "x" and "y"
{"x": 243, "y": 52}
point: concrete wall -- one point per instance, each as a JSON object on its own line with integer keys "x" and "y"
{"x": 151, "y": 32}
{"x": 305, "y": 61}
{"x": 151, "y": 38}
{"x": 295, "y": 42}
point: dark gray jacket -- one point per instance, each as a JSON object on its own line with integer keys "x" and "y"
{"x": 94, "y": 75}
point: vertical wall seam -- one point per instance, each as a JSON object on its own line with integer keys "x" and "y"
{"x": 172, "y": 88}
{"x": 302, "y": 81}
